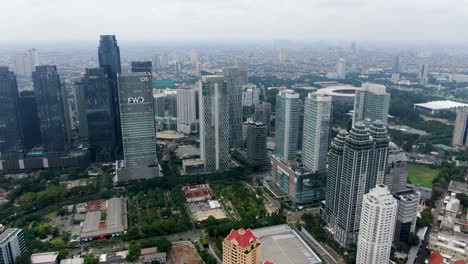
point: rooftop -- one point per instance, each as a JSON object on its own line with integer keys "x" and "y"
{"x": 45, "y": 257}
{"x": 114, "y": 222}
{"x": 282, "y": 245}
{"x": 197, "y": 191}
{"x": 440, "y": 105}
{"x": 10, "y": 232}
{"x": 243, "y": 237}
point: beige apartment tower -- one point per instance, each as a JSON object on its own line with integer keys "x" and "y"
{"x": 242, "y": 247}
{"x": 460, "y": 132}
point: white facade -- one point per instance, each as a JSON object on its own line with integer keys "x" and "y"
{"x": 25, "y": 63}
{"x": 378, "y": 216}
{"x": 371, "y": 103}
{"x": 12, "y": 245}
{"x": 250, "y": 95}
{"x": 187, "y": 110}
{"x": 317, "y": 117}
{"x": 341, "y": 69}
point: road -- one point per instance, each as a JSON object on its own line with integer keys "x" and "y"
{"x": 329, "y": 256}
{"x": 212, "y": 252}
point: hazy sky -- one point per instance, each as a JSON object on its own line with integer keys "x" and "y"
{"x": 168, "y": 20}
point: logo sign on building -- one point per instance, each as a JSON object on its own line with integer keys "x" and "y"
{"x": 135, "y": 100}
{"x": 144, "y": 79}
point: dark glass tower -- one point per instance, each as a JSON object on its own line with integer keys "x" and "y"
{"x": 51, "y": 105}
{"x": 141, "y": 66}
{"x": 10, "y": 132}
{"x": 109, "y": 60}
{"x": 29, "y": 120}
{"x": 97, "y": 124}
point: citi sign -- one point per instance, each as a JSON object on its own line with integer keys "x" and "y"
{"x": 144, "y": 79}
{"x": 135, "y": 100}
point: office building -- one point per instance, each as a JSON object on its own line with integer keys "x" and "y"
{"x": 160, "y": 62}
{"x": 396, "y": 175}
{"x": 52, "y": 110}
{"x": 262, "y": 114}
{"x": 242, "y": 247}
{"x": 282, "y": 55}
{"x": 138, "y": 127}
{"x": 379, "y": 210}
{"x": 109, "y": 60}
{"x": 250, "y": 95}
{"x": 165, "y": 103}
{"x": 95, "y": 114}
{"x": 371, "y": 103}
{"x": 396, "y": 67}
{"x": 288, "y": 111}
{"x": 12, "y": 245}
{"x": 10, "y": 126}
{"x": 297, "y": 183}
{"x": 142, "y": 66}
{"x": 234, "y": 90}
{"x": 25, "y": 63}
{"x": 460, "y": 132}
{"x": 243, "y": 70}
{"x": 256, "y": 144}
{"x": 316, "y": 136}
{"x": 341, "y": 69}
{"x": 357, "y": 163}
{"x": 187, "y": 110}
{"x": 214, "y": 123}
{"x": 407, "y": 214}
{"x": 29, "y": 120}
{"x": 423, "y": 78}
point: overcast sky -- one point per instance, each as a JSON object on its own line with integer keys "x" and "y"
{"x": 212, "y": 20}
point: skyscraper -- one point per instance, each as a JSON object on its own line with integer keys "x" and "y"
{"x": 234, "y": 89}
{"x": 460, "y": 133}
{"x": 10, "y": 126}
{"x": 243, "y": 70}
{"x": 187, "y": 110}
{"x": 282, "y": 55}
{"x": 371, "y": 103}
{"x": 256, "y": 144}
{"x": 29, "y": 120}
{"x": 357, "y": 162}
{"x": 423, "y": 75}
{"x": 378, "y": 216}
{"x": 396, "y": 175}
{"x": 396, "y": 67}
{"x": 242, "y": 247}
{"x": 317, "y": 121}
{"x": 214, "y": 123}
{"x": 12, "y": 245}
{"x": 25, "y": 63}
{"x": 52, "y": 106}
{"x": 288, "y": 109}
{"x": 109, "y": 60}
{"x": 141, "y": 66}
{"x": 94, "y": 101}
{"x": 408, "y": 202}
{"x": 341, "y": 69}
{"x": 262, "y": 114}
{"x": 138, "y": 127}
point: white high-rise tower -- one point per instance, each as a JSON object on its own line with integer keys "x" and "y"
{"x": 378, "y": 216}
{"x": 341, "y": 69}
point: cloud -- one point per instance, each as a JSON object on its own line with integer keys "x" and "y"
{"x": 156, "y": 20}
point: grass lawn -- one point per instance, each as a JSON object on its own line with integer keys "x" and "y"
{"x": 421, "y": 174}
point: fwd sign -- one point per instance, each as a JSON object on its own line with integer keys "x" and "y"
{"x": 135, "y": 100}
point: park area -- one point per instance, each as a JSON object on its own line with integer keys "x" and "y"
{"x": 421, "y": 174}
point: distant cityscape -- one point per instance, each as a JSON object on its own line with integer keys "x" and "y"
{"x": 285, "y": 153}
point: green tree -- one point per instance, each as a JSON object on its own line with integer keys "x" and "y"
{"x": 133, "y": 252}
{"x": 413, "y": 239}
{"x": 90, "y": 259}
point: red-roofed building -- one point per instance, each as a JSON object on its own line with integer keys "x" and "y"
{"x": 268, "y": 262}
{"x": 436, "y": 258}
{"x": 242, "y": 247}
{"x": 198, "y": 192}
{"x": 459, "y": 262}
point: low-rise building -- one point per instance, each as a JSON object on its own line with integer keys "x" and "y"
{"x": 45, "y": 258}
{"x": 193, "y": 166}
{"x": 105, "y": 222}
{"x": 151, "y": 254}
{"x": 198, "y": 192}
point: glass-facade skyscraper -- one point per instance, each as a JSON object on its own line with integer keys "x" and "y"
{"x": 316, "y": 136}
{"x": 141, "y": 66}
{"x": 109, "y": 60}
{"x": 95, "y": 113}
{"x": 288, "y": 111}
{"x": 51, "y": 109}
{"x": 357, "y": 163}
{"x": 214, "y": 123}
{"x": 138, "y": 127}
{"x": 10, "y": 129}
{"x": 234, "y": 89}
